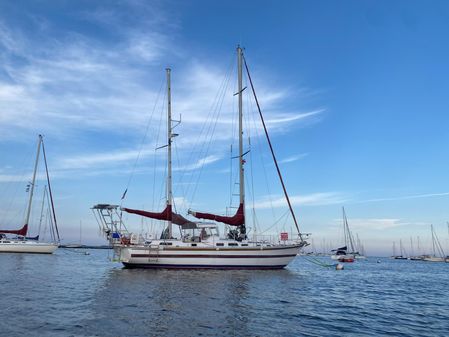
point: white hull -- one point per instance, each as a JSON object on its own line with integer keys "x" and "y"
{"x": 434, "y": 259}
{"x": 33, "y": 247}
{"x": 207, "y": 256}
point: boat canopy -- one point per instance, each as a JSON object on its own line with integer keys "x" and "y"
{"x": 22, "y": 232}
{"x": 167, "y": 214}
{"x": 237, "y": 220}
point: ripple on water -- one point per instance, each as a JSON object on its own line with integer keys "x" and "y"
{"x": 78, "y": 295}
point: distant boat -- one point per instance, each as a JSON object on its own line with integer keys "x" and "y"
{"x": 199, "y": 244}
{"x": 402, "y": 254}
{"x": 360, "y": 254}
{"x": 21, "y": 243}
{"x": 414, "y": 257}
{"x": 347, "y": 253}
{"x": 438, "y": 253}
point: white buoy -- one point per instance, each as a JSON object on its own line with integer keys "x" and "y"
{"x": 339, "y": 266}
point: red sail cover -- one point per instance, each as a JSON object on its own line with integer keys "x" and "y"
{"x": 166, "y": 214}
{"x": 237, "y": 220}
{"x": 22, "y": 232}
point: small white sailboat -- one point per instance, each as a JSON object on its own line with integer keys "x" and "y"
{"x": 438, "y": 253}
{"x": 402, "y": 254}
{"x": 199, "y": 244}
{"x": 360, "y": 249}
{"x": 21, "y": 243}
{"x": 348, "y": 252}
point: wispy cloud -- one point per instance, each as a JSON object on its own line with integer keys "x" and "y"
{"x": 314, "y": 199}
{"x": 293, "y": 158}
{"x": 404, "y": 197}
{"x": 198, "y": 164}
{"x": 102, "y": 159}
{"x": 67, "y": 84}
{"x": 378, "y": 224}
{"x": 294, "y": 117}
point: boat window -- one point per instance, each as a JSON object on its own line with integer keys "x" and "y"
{"x": 244, "y": 244}
{"x": 165, "y": 244}
{"x": 220, "y": 244}
{"x": 193, "y": 244}
{"x": 233, "y": 244}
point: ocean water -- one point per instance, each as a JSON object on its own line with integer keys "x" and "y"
{"x": 71, "y": 294}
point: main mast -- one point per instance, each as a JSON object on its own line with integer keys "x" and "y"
{"x": 169, "y": 161}
{"x": 433, "y": 240}
{"x": 34, "y": 179}
{"x": 241, "y": 170}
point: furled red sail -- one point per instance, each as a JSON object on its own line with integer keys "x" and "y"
{"x": 22, "y": 232}
{"x": 167, "y": 214}
{"x": 237, "y": 220}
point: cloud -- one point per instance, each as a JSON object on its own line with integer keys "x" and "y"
{"x": 293, "y": 158}
{"x": 379, "y": 223}
{"x": 67, "y": 83}
{"x": 314, "y": 199}
{"x": 293, "y": 117}
{"x": 405, "y": 197}
{"x": 198, "y": 164}
{"x": 102, "y": 159}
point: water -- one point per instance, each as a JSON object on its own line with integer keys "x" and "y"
{"x": 70, "y": 294}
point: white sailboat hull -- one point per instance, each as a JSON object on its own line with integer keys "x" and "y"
{"x": 275, "y": 257}
{"x": 434, "y": 259}
{"x": 33, "y": 247}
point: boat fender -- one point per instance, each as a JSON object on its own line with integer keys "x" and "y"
{"x": 339, "y": 266}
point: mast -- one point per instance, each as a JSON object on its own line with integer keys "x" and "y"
{"x": 34, "y": 179}
{"x": 49, "y": 189}
{"x": 394, "y": 248}
{"x": 348, "y": 235}
{"x": 344, "y": 227}
{"x": 169, "y": 161}
{"x": 433, "y": 240}
{"x": 241, "y": 170}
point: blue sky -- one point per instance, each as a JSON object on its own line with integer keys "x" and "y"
{"x": 355, "y": 94}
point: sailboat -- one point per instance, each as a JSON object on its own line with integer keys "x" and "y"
{"x": 21, "y": 243}
{"x": 348, "y": 252}
{"x": 438, "y": 253}
{"x": 360, "y": 249}
{"x": 402, "y": 255}
{"x": 199, "y": 244}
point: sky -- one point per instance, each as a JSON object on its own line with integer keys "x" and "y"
{"x": 354, "y": 94}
